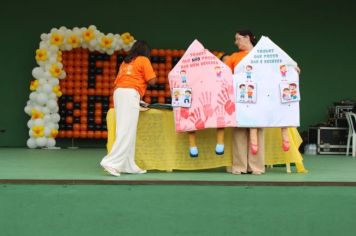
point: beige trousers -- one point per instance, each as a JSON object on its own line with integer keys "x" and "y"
{"x": 242, "y": 159}
{"x": 122, "y": 154}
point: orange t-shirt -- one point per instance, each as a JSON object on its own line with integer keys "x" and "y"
{"x": 135, "y": 74}
{"x": 234, "y": 59}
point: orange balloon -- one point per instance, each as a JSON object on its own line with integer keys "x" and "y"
{"x": 147, "y": 99}
{"x": 69, "y": 119}
{"x": 97, "y": 134}
{"x": 76, "y": 112}
{"x": 69, "y": 105}
{"x": 83, "y": 127}
{"x": 98, "y": 112}
{"x": 83, "y": 120}
{"x": 61, "y": 134}
{"x": 76, "y": 98}
{"x": 69, "y": 134}
{"x": 83, "y": 134}
{"x": 154, "y": 52}
{"x": 90, "y": 134}
{"x": 161, "y": 100}
{"x": 104, "y": 134}
{"x": 76, "y": 134}
{"x": 97, "y": 120}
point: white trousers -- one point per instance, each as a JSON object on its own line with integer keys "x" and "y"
{"x": 127, "y": 108}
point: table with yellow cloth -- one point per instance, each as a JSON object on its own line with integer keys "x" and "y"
{"x": 159, "y": 147}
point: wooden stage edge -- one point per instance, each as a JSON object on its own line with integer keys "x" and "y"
{"x": 173, "y": 182}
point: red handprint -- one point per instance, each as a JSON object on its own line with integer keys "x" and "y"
{"x": 205, "y": 100}
{"x": 196, "y": 119}
{"x": 184, "y": 112}
{"x": 229, "y": 87}
{"x": 224, "y": 100}
{"x": 220, "y": 117}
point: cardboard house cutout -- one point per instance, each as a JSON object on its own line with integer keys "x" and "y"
{"x": 202, "y": 91}
{"x": 266, "y": 86}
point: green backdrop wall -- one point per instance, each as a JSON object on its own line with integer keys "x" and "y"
{"x": 317, "y": 34}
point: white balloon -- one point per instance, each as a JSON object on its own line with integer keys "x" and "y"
{"x": 42, "y": 98}
{"x": 31, "y": 143}
{"x": 63, "y": 75}
{"x": 43, "y": 37}
{"x": 30, "y": 133}
{"x": 53, "y": 81}
{"x": 52, "y": 96}
{"x": 41, "y": 142}
{"x": 52, "y": 104}
{"x": 52, "y": 59}
{"x": 30, "y": 123}
{"x": 45, "y": 110}
{"x": 53, "y": 48}
{"x": 28, "y": 110}
{"x": 37, "y": 72}
{"x": 47, "y": 118}
{"x": 51, "y": 142}
{"x": 38, "y": 122}
{"x": 33, "y": 96}
{"x": 56, "y": 126}
{"x": 47, "y": 131}
{"x": 47, "y": 88}
{"x": 55, "y": 117}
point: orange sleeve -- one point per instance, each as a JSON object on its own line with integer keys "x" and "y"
{"x": 147, "y": 68}
{"x": 230, "y": 63}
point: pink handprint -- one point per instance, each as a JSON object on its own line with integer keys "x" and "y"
{"x": 184, "y": 112}
{"x": 229, "y": 87}
{"x": 224, "y": 100}
{"x": 205, "y": 100}
{"x": 220, "y": 117}
{"x": 196, "y": 119}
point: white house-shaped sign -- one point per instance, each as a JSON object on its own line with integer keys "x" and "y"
{"x": 202, "y": 91}
{"x": 266, "y": 87}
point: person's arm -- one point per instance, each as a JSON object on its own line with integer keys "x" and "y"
{"x": 152, "y": 81}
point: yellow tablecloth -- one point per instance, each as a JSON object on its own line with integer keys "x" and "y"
{"x": 159, "y": 147}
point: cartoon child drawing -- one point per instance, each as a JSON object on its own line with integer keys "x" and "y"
{"x": 176, "y": 95}
{"x": 250, "y": 90}
{"x": 242, "y": 88}
{"x": 183, "y": 76}
{"x": 286, "y": 94}
{"x": 218, "y": 71}
{"x": 293, "y": 91}
{"x": 283, "y": 69}
{"x": 248, "y": 72}
{"x": 187, "y": 96}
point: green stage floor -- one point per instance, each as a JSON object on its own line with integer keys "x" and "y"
{"x": 66, "y": 165}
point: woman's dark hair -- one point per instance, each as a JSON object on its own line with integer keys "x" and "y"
{"x": 140, "y": 48}
{"x": 248, "y": 33}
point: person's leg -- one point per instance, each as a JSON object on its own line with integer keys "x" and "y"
{"x": 239, "y": 150}
{"x": 193, "y": 149}
{"x": 256, "y": 163}
{"x": 122, "y": 154}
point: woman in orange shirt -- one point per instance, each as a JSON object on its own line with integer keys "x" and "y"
{"x": 248, "y": 144}
{"x": 130, "y": 85}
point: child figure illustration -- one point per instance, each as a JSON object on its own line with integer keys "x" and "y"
{"x": 176, "y": 98}
{"x": 187, "y": 96}
{"x": 248, "y": 73}
{"x": 242, "y": 88}
{"x": 250, "y": 90}
{"x": 293, "y": 91}
{"x": 286, "y": 94}
{"x": 283, "y": 70}
{"x": 183, "y": 76}
{"x": 218, "y": 72}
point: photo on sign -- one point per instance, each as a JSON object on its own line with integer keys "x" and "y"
{"x": 289, "y": 92}
{"x": 181, "y": 97}
{"x": 246, "y": 92}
